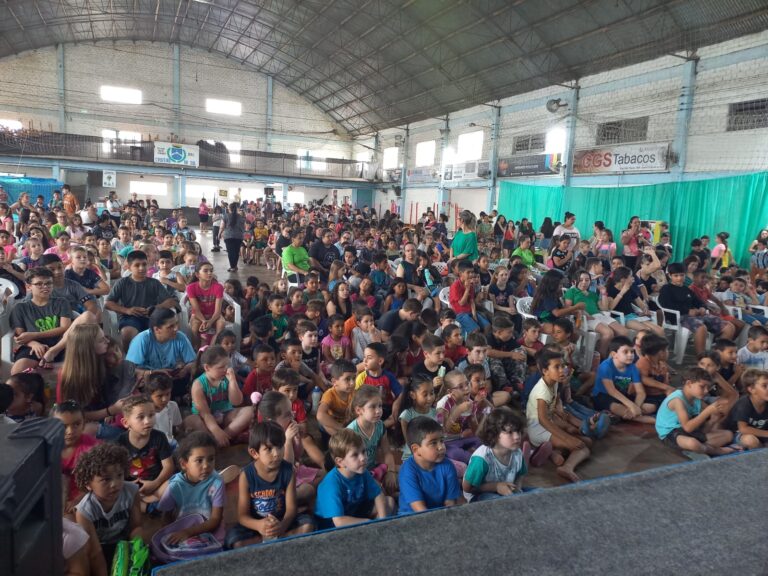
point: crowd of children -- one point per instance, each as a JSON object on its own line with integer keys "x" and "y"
{"x": 417, "y": 404}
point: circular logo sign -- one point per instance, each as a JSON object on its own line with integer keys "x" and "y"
{"x": 177, "y": 154}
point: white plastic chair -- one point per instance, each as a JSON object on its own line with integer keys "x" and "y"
{"x": 6, "y": 339}
{"x": 287, "y": 275}
{"x": 6, "y": 284}
{"x": 524, "y": 307}
{"x": 441, "y": 267}
{"x": 444, "y": 296}
{"x": 492, "y": 267}
{"x": 504, "y": 262}
{"x": 236, "y": 326}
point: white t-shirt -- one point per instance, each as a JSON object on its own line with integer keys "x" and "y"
{"x": 167, "y": 418}
{"x": 751, "y": 360}
{"x": 540, "y": 392}
{"x": 572, "y": 233}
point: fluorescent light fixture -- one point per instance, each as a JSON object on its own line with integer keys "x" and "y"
{"x": 120, "y": 95}
{"x": 228, "y": 107}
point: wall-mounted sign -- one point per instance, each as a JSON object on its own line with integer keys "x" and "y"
{"x": 417, "y": 175}
{"x": 618, "y": 159}
{"x": 177, "y": 154}
{"x": 109, "y": 178}
{"x": 529, "y": 165}
{"x": 466, "y": 171}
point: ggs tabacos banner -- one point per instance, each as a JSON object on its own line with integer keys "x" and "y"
{"x": 618, "y": 159}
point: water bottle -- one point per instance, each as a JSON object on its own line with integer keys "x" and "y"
{"x": 317, "y": 394}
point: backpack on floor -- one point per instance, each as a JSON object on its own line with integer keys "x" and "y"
{"x": 193, "y": 547}
{"x": 131, "y": 558}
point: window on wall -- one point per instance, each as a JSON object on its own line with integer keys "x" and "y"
{"x": 148, "y": 188}
{"x": 748, "y": 115}
{"x": 294, "y": 197}
{"x": 246, "y": 194}
{"x": 120, "y": 95}
{"x": 529, "y": 143}
{"x": 425, "y": 153}
{"x": 228, "y": 107}
{"x": 619, "y": 131}
{"x": 391, "y": 158}
{"x": 6, "y": 124}
{"x": 469, "y": 146}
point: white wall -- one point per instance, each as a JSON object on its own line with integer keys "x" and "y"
{"x": 29, "y": 93}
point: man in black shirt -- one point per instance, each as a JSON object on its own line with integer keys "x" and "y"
{"x": 323, "y": 253}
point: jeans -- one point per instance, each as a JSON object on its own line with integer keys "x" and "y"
{"x": 750, "y": 318}
{"x": 468, "y": 324}
{"x": 216, "y": 242}
{"x": 233, "y": 250}
{"x": 461, "y": 448}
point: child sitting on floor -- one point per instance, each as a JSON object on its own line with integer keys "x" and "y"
{"x": 684, "y": 423}
{"x": 111, "y": 508}
{"x": 548, "y": 422}
{"x": 427, "y": 480}
{"x": 755, "y": 353}
{"x": 72, "y": 417}
{"x": 215, "y": 395}
{"x": 151, "y": 460}
{"x": 749, "y": 416}
{"x": 197, "y": 489}
{"x": 618, "y": 386}
{"x": 458, "y": 414}
{"x": 496, "y": 468}
{"x": 266, "y": 504}
{"x": 349, "y": 494}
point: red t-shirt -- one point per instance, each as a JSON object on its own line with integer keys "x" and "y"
{"x": 68, "y": 464}
{"x": 455, "y": 296}
{"x": 299, "y": 412}
{"x": 206, "y": 298}
{"x": 257, "y": 382}
{"x": 456, "y": 353}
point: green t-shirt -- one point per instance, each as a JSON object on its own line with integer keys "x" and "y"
{"x": 55, "y": 229}
{"x": 590, "y": 299}
{"x": 526, "y": 256}
{"x": 296, "y": 256}
{"x": 465, "y": 244}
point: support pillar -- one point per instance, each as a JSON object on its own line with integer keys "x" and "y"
{"x": 176, "y": 81}
{"x": 269, "y": 114}
{"x": 61, "y": 88}
{"x": 683, "y": 121}
{"x": 570, "y": 137}
{"x": 442, "y": 195}
{"x": 493, "y": 159}
{"x": 403, "y": 176}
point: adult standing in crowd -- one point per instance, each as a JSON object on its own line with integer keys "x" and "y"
{"x": 464, "y": 245}
{"x": 569, "y": 230}
{"x": 633, "y": 240}
{"x": 202, "y": 212}
{"x": 547, "y": 230}
{"x": 114, "y": 206}
{"x": 233, "y": 232}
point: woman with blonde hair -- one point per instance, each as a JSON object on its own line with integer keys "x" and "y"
{"x": 86, "y": 378}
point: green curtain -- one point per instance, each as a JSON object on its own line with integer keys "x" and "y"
{"x": 737, "y": 205}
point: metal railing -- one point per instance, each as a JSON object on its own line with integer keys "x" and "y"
{"x": 212, "y": 156}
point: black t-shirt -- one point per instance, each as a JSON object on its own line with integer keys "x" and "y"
{"x": 146, "y": 463}
{"x": 422, "y": 372}
{"x": 557, "y": 253}
{"x": 390, "y": 321}
{"x": 744, "y": 411}
{"x": 324, "y": 254}
{"x": 281, "y": 243}
{"x": 311, "y": 358}
{"x": 625, "y": 304}
{"x": 496, "y": 344}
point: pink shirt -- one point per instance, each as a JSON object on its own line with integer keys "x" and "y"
{"x": 63, "y": 255}
{"x": 206, "y": 298}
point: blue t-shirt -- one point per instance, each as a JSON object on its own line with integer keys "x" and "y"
{"x": 666, "y": 418}
{"x": 621, "y": 379}
{"x": 433, "y": 487}
{"x": 149, "y": 354}
{"x": 268, "y": 497}
{"x": 340, "y": 496}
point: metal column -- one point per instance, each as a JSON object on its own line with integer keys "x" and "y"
{"x": 493, "y": 158}
{"x": 269, "y": 113}
{"x": 61, "y": 87}
{"x": 684, "y": 109}
{"x": 570, "y": 139}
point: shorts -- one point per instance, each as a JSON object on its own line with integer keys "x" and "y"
{"x": 24, "y": 352}
{"x": 508, "y": 244}
{"x": 603, "y": 401}
{"x": 636, "y": 318}
{"x": 655, "y": 399}
{"x": 537, "y": 434}
{"x": 671, "y": 438}
{"x": 140, "y": 323}
{"x": 203, "y": 218}
{"x": 259, "y": 244}
{"x": 598, "y": 319}
{"x": 737, "y": 437}
{"x": 713, "y": 323}
{"x": 238, "y": 532}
